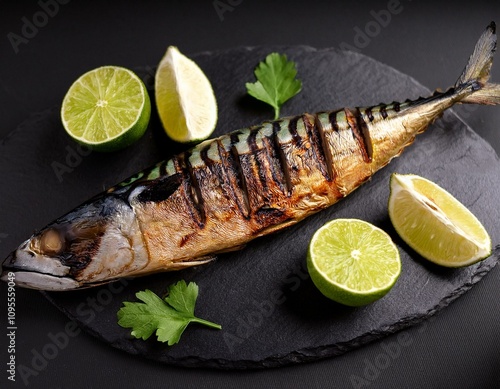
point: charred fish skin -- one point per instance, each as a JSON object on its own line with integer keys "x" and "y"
{"x": 224, "y": 192}
{"x": 97, "y": 241}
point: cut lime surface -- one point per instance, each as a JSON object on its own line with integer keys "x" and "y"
{"x": 106, "y": 109}
{"x": 184, "y": 98}
{"x": 353, "y": 262}
{"x": 435, "y": 224}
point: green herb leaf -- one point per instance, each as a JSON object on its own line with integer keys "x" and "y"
{"x": 276, "y": 81}
{"x": 183, "y": 297}
{"x": 168, "y": 317}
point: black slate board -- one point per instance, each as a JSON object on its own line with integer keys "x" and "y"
{"x": 270, "y": 312}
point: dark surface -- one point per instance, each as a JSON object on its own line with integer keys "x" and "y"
{"x": 264, "y": 290}
{"x": 458, "y": 348}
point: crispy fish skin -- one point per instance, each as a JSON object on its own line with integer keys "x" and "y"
{"x": 227, "y": 191}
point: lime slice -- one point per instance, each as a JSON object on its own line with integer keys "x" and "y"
{"x": 353, "y": 262}
{"x": 184, "y": 98}
{"x": 435, "y": 224}
{"x": 106, "y": 109}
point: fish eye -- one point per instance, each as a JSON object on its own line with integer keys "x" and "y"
{"x": 51, "y": 242}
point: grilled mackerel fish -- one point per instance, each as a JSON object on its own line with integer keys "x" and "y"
{"x": 227, "y": 191}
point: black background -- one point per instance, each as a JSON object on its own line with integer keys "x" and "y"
{"x": 458, "y": 348}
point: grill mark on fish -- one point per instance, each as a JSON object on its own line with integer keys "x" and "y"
{"x": 195, "y": 190}
{"x": 228, "y": 179}
{"x": 217, "y": 170}
{"x": 182, "y": 166}
{"x": 320, "y": 145}
{"x": 234, "y": 136}
{"x": 383, "y": 111}
{"x": 274, "y": 163}
{"x": 234, "y": 174}
{"x": 268, "y": 216}
{"x": 369, "y": 114}
{"x": 256, "y": 153}
{"x": 356, "y": 123}
{"x": 278, "y": 149}
{"x": 207, "y": 161}
{"x": 332, "y": 117}
{"x": 365, "y": 133}
{"x": 163, "y": 168}
{"x": 161, "y": 190}
{"x": 241, "y": 180}
{"x": 292, "y": 128}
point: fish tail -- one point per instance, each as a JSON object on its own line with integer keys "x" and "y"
{"x": 474, "y": 80}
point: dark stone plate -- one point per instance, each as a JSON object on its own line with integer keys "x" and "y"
{"x": 270, "y": 312}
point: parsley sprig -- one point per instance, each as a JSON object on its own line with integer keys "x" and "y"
{"x": 276, "y": 82}
{"x": 169, "y": 317}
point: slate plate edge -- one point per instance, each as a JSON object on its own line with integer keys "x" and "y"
{"x": 316, "y": 353}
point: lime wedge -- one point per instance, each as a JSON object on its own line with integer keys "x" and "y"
{"x": 435, "y": 224}
{"x": 184, "y": 98}
{"x": 106, "y": 109}
{"x": 353, "y": 262}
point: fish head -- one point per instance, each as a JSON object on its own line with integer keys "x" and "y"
{"x": 35, "y": 268}
{"x": 91, "y": 245}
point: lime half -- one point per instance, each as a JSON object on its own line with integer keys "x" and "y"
{"x": 353, "y": 262}
{"x": 184, "y": 98}
{"x": 106, "y": 109}
{"x": 435, "y": 224}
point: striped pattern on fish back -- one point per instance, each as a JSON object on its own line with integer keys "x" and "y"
{"x": 256, "y": 180}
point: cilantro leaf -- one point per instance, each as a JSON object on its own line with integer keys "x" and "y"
{"x": 168, "y": 317}
{"x": 183, "y": 297}
{"x": 276, "y": 82}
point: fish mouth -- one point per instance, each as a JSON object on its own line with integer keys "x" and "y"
{"x": 15, "y": 268}
{"x": 39, "y": 281}
{"x": 6, "y": 267}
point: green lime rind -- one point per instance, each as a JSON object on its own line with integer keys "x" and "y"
{"x": 342, "y": 295}
{"x": 341, "y": 289}
{"x": 125, "y": 130}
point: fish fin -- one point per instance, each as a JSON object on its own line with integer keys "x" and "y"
{"x": 192, "y": 262}
{"x": 231, "y": 249}
{"x": 479, "y": 65}
{"x": 489, "y": 94}
{"x": 474, "y": 78}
